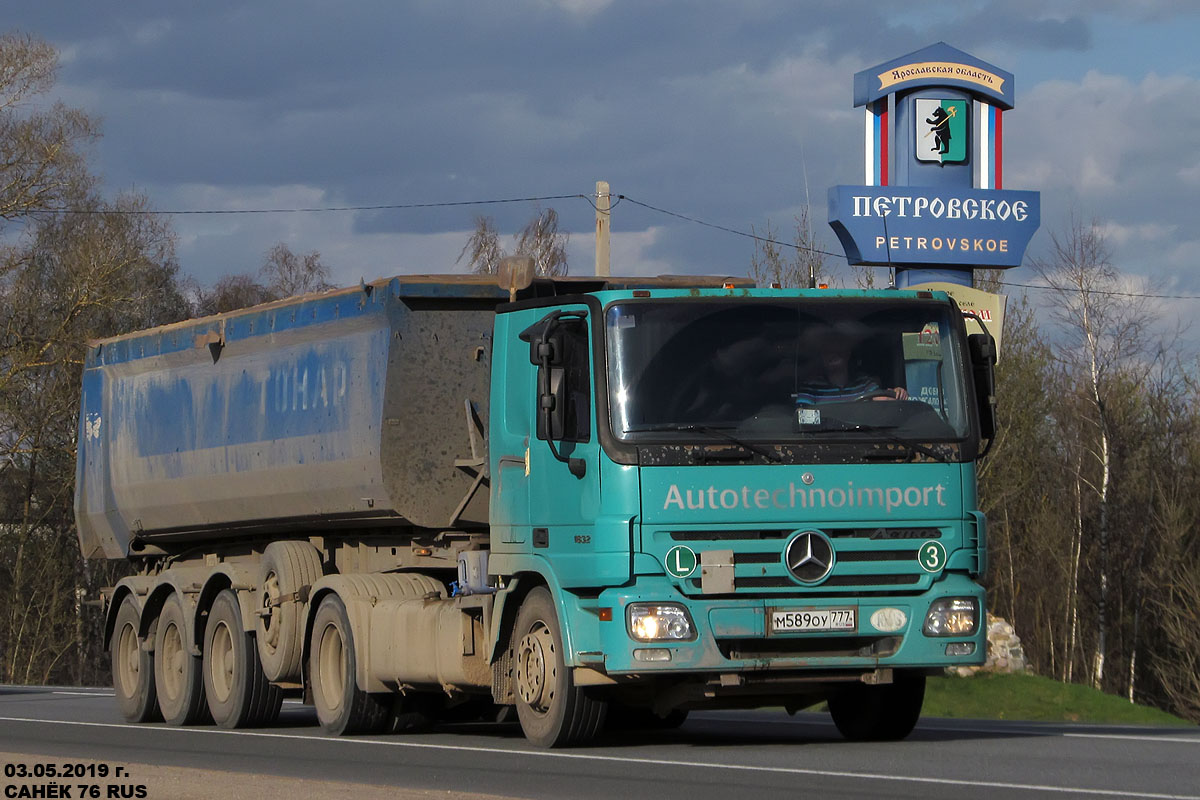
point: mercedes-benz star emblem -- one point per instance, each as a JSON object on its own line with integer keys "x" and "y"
{"x": 809, "y": 557}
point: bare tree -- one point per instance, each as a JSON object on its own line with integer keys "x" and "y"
{"x": 483, "y": 249}
{"x": 230, "y": 293}
{"x": 804, "y": 266}
{"x": 288, "y": 274}
{"x": 98, "y": 270}
{"x": 542, "y": 241}
{"x": 40, "y": 160}
{"x": 76, "y": 267}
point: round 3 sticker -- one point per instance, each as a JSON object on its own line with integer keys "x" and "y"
{"x": 681, "y": 561}
{"x": 932, "y": 556}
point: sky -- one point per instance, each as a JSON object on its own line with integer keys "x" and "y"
{"x": 733, "y": 113}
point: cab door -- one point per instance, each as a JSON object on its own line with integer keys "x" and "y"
{"x": 564, "y": 456}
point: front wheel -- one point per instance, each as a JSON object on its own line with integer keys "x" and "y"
{"x": 882, "y": 713}
{"x": 554, "y": 712}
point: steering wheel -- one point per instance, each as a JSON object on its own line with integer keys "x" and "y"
{"x": 875, "y": 395}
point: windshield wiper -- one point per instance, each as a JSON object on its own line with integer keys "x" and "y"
{"x": 885, "y": 432}
{"x": 708, "y": 430}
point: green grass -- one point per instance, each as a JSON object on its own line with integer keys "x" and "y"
{"x": 1033, "y": 698}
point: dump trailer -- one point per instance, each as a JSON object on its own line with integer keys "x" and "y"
{"x": 601, "y": 501}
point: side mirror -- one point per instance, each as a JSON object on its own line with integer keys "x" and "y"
{"x": 556, "y": 344}
{"x": 983, "y": 361}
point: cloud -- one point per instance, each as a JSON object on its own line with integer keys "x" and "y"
{"x": 1112, "y": 148}
{"x": 730, "y": 113}
{"x": 584, "y": 8}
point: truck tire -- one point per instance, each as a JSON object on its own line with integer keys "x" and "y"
{"x": 239, "y": 695}
{"x": 279, "y": 632}
{"x": 132, "y": 667}
{"x": 342, "y": 707}
{"x": 177, "y": 673}
{"x": 554, "y": 712}
{"x": 882, "y": 713}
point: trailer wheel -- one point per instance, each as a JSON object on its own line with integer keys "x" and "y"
{"x": 342, "y": 707}
{"x": 177, "y": 673}
{"x": 285, "y": 568}
{"x": 239, "y": 694}
{"x": 879, "y": 713}
{"x": 132, "y": 667}
{"x": 554, "y": 712}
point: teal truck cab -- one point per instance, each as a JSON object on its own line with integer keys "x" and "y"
{"x": 680, "y": 494}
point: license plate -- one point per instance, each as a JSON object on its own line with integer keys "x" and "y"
{"x": 813, "y": 619}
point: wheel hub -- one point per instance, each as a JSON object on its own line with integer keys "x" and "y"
{"x": 536, "y": 668}
{"x": 129, "y": 665}
{"x": 222, "y": 663}
{"x": 270, "y": 606}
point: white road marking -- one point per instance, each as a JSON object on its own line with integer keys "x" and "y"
{"x": 653, "y": 762}
{"x": 927, "y": 725}
{"x": 88, "y": 694}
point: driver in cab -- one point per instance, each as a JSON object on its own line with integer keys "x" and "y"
{"x": 833, "y": 375}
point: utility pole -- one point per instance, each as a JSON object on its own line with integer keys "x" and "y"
{"x": 603, "y": 223}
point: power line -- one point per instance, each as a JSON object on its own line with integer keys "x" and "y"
{"x": 1103, "y": 292}
{"x": 316, "y": 209}
{"x": 753, "y": 236}
{"x": 538, "y": 198}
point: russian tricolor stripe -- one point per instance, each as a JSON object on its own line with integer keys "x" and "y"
{"x": 988, "y": 161}
{"x": 878, "y": 122}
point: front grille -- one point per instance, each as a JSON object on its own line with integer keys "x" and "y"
{"x": 810, "y": 647}
{"x": 784, "y": 582}
{"x": 727, "y": 536}
{"x": 884, "y": 534}
{"x": 872, "y": 534}
{"x": 770, "y": 557}
{"x": 869, "y": 561}
{"x": 877, "y": 555}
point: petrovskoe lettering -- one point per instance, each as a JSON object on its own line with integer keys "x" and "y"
{"x": 792, "y": 496}
{"x": 984, "y": 209}
{"x": 963, "y": 244}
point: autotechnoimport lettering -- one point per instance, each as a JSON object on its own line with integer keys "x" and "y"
{"x": 793, "y": 495}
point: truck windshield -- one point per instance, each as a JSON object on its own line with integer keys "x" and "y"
{"x": 787, "y": 370}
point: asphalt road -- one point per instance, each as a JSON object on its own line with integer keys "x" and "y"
{"x": 726, "y": 755}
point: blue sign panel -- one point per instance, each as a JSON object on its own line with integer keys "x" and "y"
{"x": 900, "y": 225}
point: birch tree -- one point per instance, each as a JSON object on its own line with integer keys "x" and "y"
{"x": 1106, "y": 332}
{"x": 540, "y": 239}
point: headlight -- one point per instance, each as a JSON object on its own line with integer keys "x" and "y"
{"x": 952, "y": 616}
{"x": 656, "y": 622}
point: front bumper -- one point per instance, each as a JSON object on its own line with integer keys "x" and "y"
{"x": 732, "y": 634}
